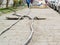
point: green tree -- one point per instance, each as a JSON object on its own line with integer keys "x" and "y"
{"x": 1, "y": 2}
{"x": 20, "y": 2}
{"x": 15, "y": 2}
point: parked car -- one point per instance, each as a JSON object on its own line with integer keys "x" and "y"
{"x": 39, "y": 2}
{"x": 59, "y": 7}
{"x": 56, "y": 5}
{"x": 50, "y": 3}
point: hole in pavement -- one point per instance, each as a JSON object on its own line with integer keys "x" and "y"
{"x": 37, "y": 18}
{"x": 12, "y": 18}
{"x": 25, "y": 17}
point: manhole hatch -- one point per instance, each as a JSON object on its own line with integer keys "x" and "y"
{"x": 37, "y": 18}
{"x": 12, "y": 18}
{"x": 25, "y": 17}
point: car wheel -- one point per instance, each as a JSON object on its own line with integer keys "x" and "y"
{"x": 51, "y": 6}
{"x": 59, "y": 9}
{"x": 54, "y": 7}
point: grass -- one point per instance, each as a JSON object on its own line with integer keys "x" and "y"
{"x": 7, "y": 10}
{"x": 11, "y": 9}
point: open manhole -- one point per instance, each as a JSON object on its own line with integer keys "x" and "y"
{"x": 25, "y": 17}
{"x": 37, "y": 18}
{"x": 12, "y": 18}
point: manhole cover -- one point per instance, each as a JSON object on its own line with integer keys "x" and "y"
{"x": 37, "y": 18}
{"x": 12, "y": 18}
{"x": 25, "y": 17}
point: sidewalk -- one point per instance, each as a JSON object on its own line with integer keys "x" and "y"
{"x": 46, "y": 32}
{"x": 18, "y": 34}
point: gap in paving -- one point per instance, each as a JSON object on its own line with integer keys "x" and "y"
{"x": 37, "y": 18}
{"x": 12, "y": 18}
{"x": 24, "y": 17}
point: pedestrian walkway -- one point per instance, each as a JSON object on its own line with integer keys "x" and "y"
{"x": 17, "y": 35}
{"x": 46, "y": 32}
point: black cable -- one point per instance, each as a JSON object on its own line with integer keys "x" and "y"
{"x": 12, "y": 25}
